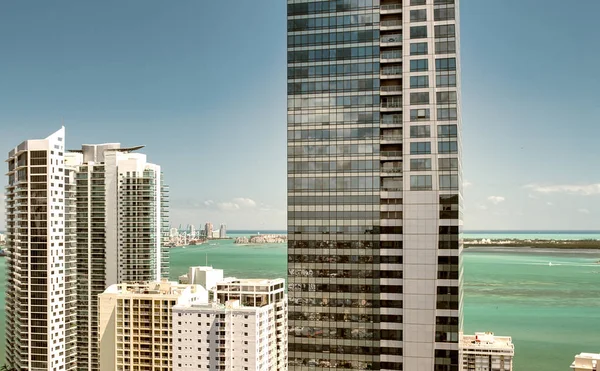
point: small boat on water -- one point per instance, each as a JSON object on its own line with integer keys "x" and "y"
{"x": 549, "y": 264}
{"x": 3, "y": 252}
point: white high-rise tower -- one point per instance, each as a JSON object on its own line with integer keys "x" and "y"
{"x": 41, "y": 245}
{"x": 78, "y": 221}
{"x": 122, "y": 230}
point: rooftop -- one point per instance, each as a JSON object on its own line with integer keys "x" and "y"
{"x": 486, "y": 340}
{"x": 152, "y": 288}
{"x": 586, "y": 361}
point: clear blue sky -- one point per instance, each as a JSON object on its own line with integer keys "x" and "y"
{"x": 203, "y": 85}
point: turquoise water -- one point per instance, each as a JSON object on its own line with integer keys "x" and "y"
{"x": 552, "y": 312}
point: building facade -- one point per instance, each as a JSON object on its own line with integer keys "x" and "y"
{"x": 244, "y": 329}
{"x": 586, "y": 362}
{"x": 122, "y": 224}
{"x": 41, "y": 245}
{"x": 486, "y": 352}
{"x": 136, "y": 324}
{"x": 93, "y": 217}
{"x": 374, "y": 184}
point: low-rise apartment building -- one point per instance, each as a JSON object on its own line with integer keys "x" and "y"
{"x": 486, "y": 352}
{"x": 136, "y": 332}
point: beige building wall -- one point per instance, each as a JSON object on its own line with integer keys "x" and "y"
{"x": 136, "y": 324}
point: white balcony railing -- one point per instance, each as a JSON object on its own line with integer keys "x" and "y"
{"x": 391, "y": 88}
{"x": 392, "y": 54}
{"x": 391, "y": 7}
{"x": 392, "y": 23}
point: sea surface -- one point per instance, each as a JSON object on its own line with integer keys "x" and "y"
{"x": 551, "y": 311}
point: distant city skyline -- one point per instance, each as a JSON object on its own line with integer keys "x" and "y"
{"x": 158, "y": 76}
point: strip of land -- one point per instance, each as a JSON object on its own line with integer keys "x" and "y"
{"x": 552, "y": 244}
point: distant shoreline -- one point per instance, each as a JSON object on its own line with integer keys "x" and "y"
{"x": 534, "y": 244}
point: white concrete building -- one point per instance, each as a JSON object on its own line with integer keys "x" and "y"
{"x": 586, "y": 362}
{"x": 486, "y": 352}
{"x": 208, "y": 230}
{"x": 135, "y": 324}
{"x": 223, "y": 231}
{"x": 122, "y": 230}
{"x": 97, "y": 216}
{"x": 245, "y": 329}
{"x": 206, "y": 276}
{"x": 164, "y": 326}
{"x": 41, "y": 261}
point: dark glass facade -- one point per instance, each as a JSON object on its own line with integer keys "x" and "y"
{"x": 374, "y": 214}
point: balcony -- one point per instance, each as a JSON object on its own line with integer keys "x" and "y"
{"x": 394, "y": 105}
{"x": 388, "y": 56}
{"x": 394, "y": 24}
{"x": 394, "y": 72}
{"x": 391, "y": 90}
{"x": 391, "y": 154}
{"x": 391, "y": 138}
{"x": 391, "y": 40}
{"x": 391, "y": 8}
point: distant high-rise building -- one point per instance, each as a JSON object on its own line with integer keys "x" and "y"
{"x": 208, "y": 230}
{"x": 374, "y": 184}
{"x": 586, "y": 362}
{"x": 122, "y": 230}
{"x": 41, "y": 263}
{"x": 223, "y": 231}
{"x": 136, "y": 324}
{"x": 486, "y": 352}
{"x": 244, "y": 329}
{"x": 93, "y": 217}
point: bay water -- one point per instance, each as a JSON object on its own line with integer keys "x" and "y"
{"x": 552, "y": 311}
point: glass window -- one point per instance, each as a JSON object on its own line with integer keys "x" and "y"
{"x": 445, "y": 47}
{"x": 448, "y": 147}
{"x": 418, "y": 48}
{"x": 448, "y": 164}
{"x": 420, "y": 131}
{"x": 417, "y": 65}
{"x": 418, "y": 32}
{"x": 441, "y": 2}
{"x": 420, "y": 164}
{"x": 420, "y": 182}
{"x": 446, "y": 97}
{"x": 419, "y": 114}
{"x": 419, "y": 98}
{"x": 446, "y": 114}
{"x": 418, "y": 15}
{"x": 443, "y": 14}
{"x": 417, "y": 2}
{"x": 448, "y": 182}
{"x": 419, "y": 81}
{"x": 445, "y": 64}
{"x": 445, "y": 30}
{"x": 447, "y": 131}
{"x": 420, "y": 148}
{"x": 445, "y": 79}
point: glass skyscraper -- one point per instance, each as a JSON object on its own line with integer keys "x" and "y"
{"x": 374, "y": 185}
